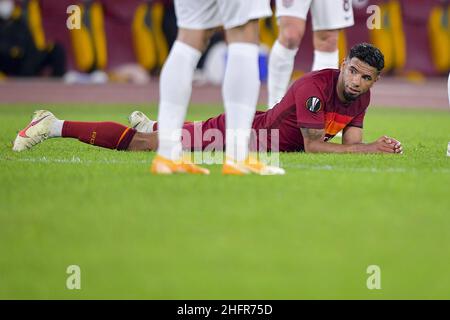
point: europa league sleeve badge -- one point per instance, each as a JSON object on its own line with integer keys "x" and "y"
{"x": 314, "y": 104}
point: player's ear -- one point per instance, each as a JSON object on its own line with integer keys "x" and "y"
{"x": 378, "y": 77}
{"x": 343, "y": 64}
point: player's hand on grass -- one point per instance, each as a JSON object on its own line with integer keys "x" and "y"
{"x": 398, "y": 148}
{"x": 386, "y": 144}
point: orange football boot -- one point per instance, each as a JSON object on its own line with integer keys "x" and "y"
{"x": 250, "y": 165}
{"x": 161, "y": 165}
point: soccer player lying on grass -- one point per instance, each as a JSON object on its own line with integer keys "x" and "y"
{"x": 314, "y": 110}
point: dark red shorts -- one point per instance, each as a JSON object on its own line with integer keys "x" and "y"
{"x": 210, "y": 134}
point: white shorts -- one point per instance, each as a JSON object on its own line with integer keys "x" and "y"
{"x": 207, "y": 14}
{"x": 326, "y": 14}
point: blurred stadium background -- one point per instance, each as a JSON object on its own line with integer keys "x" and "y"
{"x": 125, "y": 43}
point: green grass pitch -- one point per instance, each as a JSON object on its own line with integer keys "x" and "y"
{"x": 309, "y": 234}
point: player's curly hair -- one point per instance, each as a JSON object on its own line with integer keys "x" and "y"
{"x": 369, "y": 54}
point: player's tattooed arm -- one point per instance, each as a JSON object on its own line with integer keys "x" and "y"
{"x": 314, "y": 143}
{"x": 352, "y": 135}
{"x": 313, "y": 139}
{"x": 313, "y": 134}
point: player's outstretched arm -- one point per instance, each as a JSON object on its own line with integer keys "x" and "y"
{"x": 354, "y": 135}
{"x": 313, "y": 142}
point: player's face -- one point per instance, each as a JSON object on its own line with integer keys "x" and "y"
{"x": 357, "y": 78}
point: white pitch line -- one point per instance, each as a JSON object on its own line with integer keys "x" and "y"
{"x": 364, "y": 169}
{"x": 359, "y": 169}
{"x": 73, "y": 160}
{"x": 77, "y": 160}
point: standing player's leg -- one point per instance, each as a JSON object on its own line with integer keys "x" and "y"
{"x": 326, "y": 53}
{"x": 194, "y": 17}
{"x": 328, "y": 17}
{"x": 175, "y": 93}
{"x": 292, "y": 22}
{"x": 241, "y": 82}
{"x": 241, "y": 88}
{"x": 175, "y": 90}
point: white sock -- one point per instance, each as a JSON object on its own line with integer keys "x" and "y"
{"x": 325, "y": 60}
{"x": 56, "y": 129}
{"x": 240, "y": 94}
{"x": 149, "y": 127}
{"x": 175, "y": 87}
{"x": 281, "y": 64}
